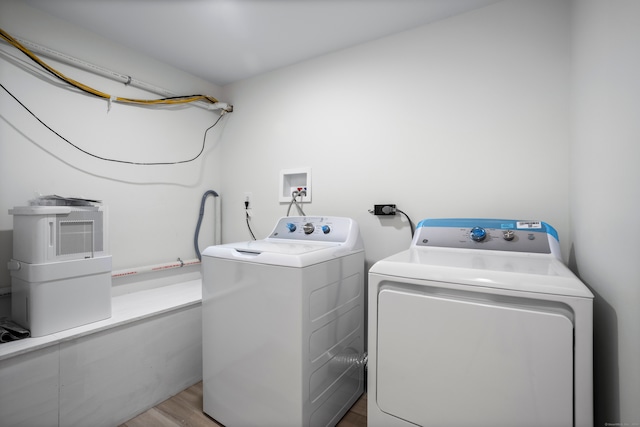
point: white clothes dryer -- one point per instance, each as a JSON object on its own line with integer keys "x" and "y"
{"x": 479, "y": 323}
{"x": 283, "y": 325}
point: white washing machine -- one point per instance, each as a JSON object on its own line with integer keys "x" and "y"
{"x": 479, "y": 323}
{"x": 283, "y": 325}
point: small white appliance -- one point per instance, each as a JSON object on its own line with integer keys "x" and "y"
{"x": 283, "y": 325}
{"x": 479, "y": 323}
{"x": 61, "y": 267}
{"x": 45, "y": 234}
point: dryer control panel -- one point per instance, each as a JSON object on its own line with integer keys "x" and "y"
{"x": 487, "y": 234}
{"x": 315, "y": 228}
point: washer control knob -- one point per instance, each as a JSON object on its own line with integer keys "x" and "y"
{"x": 326, "y": 229}
{"x": 308, "y": 228}
{"x": 478, "y": 234}
{"x": 291, "y": 227}
{"x": 508, "y": 235}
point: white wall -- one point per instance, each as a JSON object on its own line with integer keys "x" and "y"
{"x": 152, "y": 209}
{"x": 471, "y": 116}
{"x": 464, "y": 117}
{"x": 605, "y": 194}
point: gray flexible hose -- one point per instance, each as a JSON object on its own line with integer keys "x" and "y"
{"x": 195, "y": 237}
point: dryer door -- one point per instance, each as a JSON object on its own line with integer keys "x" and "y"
{"x": 451, "y": 360}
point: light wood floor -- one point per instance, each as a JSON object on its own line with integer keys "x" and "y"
{"x": 185, "y": 410}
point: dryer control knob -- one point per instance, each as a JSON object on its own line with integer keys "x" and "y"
{"x": 308, "y": 228}
{"x": 326, "y": 229}
{"x": 508, "y": 235}
{"x": 291, "y": 226}
{"x": 478, "y": 234}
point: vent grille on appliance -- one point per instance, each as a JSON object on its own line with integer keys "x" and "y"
{"x": 80, "y": 232}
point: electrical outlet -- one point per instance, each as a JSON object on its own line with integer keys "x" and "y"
{"x": 387, "y": 209}
{"x": 248, "y": 198}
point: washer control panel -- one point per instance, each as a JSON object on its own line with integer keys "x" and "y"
{"x": 315, "y": 228}
{"x": 488, "y": 234}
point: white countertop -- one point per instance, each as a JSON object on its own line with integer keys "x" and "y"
{"x": 126, "y": 308}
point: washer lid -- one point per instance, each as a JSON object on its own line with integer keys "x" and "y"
{"x": 536, "y": 273}
{"x": 283, "y": 253}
